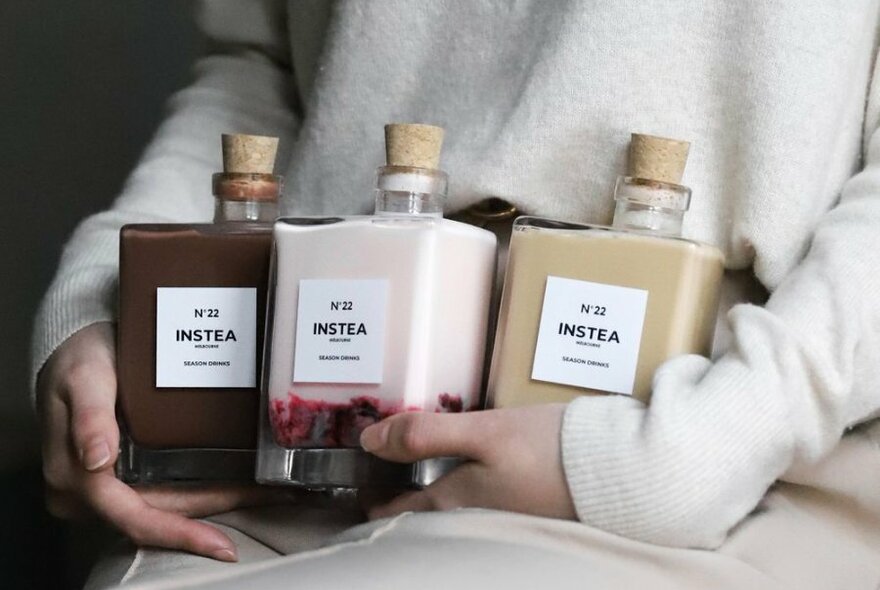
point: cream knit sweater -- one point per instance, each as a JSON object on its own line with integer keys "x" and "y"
{"x": 538, "y": 99}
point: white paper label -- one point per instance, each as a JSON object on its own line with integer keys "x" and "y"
{"x": 206, "y": 337}
{"x": 340, "y": 331}
{"x": 589, "y": 335}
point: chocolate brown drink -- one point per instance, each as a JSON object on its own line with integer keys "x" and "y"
{"x": 156, "y": 256}
{"x": 192, "y": 301}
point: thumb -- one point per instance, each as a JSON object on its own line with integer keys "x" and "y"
{"x": 412, "y": 436}
{"x": 93, "y": 428}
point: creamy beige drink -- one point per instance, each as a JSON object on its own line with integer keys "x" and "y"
{"x": 592, "y": 309}
{"x": 680, "y": 277}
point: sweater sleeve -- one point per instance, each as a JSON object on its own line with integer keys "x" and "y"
{"x": 242, "y": 84}
{"x": 802, "y": 369}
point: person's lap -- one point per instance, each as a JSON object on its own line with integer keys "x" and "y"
{"x": 820, "y": 530}
{"x": 259, "y": 534}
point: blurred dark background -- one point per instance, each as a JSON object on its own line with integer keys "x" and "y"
{"x": 83, "y": 88}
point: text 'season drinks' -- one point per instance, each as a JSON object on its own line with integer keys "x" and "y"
{"x": 591, "y": 309}
{"x": 387, "y": 313}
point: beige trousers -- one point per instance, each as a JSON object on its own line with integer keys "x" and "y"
{"x": 820, "y": 529}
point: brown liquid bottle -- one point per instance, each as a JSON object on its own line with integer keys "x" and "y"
{"x": 591, "y": 309}
{"x": 192, "y": 301}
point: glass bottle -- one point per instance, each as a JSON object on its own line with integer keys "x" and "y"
{"x": 388, "y": 313}
{"x": 594, "y": 309}
{"x": 192, "y": 300}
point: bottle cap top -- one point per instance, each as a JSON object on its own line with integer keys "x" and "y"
{"x": 657, "y": 158}
{"x": 413, "y": 145}
{"x": 249, "y": 154}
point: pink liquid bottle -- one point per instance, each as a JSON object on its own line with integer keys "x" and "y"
{"x": 370, "y": 316}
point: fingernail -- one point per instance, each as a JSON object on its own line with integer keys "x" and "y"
{"x": 96, "y": 456}
{"x": 374, "y": 437}
{"x": 224, "y": 554}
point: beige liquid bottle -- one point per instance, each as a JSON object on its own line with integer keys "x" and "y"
{"x": 592, "y": 309}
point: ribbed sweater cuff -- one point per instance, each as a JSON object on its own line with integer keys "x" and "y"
{"x": 684, "y": 470}
{"x": 72, "y": 303}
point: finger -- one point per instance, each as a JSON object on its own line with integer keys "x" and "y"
{"x": 412, "y": 436}
{"x": 59, "y": 459}
{"x": 145, "y": 525}
{"x": 205, "y": 501}
{"x": 91, "y": 397}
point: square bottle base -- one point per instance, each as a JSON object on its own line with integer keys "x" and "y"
{"x": 324, "y": 469}
{"x": 137, "y": 465}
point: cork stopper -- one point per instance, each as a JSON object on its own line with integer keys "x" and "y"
{"x": 657, "y": 158}
{"x": 410, "y": 144}
{"x": 249, "y": 154}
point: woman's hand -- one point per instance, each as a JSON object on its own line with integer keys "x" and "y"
{"x": 76, "y": 397}
{"x": 515, "y": 459}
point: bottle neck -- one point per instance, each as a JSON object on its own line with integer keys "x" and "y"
{"x": 403, "y": 191}
{"x": 245, "y": 211}
{"x": 650, "y": 206}
{"x": 242, "y": 197}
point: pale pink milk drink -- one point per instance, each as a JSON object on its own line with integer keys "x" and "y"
{"x": 370, "y": 316}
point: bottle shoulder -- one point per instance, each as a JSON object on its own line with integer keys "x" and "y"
{"x": 466, "y": 229}
{"x": 538, "y": 227}
{"x": 163, "y": 230}
{"x": 381, "y": 224}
